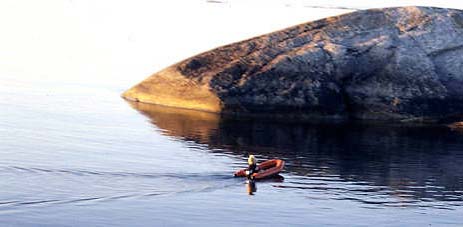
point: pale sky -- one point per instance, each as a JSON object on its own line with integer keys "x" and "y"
{"x": 110, "y": 41}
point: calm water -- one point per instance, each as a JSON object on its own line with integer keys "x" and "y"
{"x": 79, "y": 155}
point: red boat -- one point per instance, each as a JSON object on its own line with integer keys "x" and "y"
{"x": 267, "y": 169}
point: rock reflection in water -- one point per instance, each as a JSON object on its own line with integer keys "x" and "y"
{"x": 423, "y": 163}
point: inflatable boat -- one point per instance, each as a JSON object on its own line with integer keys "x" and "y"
{"x": 267, "y": 169}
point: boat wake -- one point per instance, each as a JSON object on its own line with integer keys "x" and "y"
{"x": 79, "y": 187}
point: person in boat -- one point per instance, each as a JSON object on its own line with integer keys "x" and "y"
{"x": 252, "y": 167}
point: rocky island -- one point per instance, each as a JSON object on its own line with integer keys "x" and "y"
{"x": 403, "y": 64}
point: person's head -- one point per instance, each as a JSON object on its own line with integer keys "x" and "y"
{"x": 252, "y": 160}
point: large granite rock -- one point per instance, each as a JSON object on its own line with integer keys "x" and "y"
{"x": 401, "y": 63}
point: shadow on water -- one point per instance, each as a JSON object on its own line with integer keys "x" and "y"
{"x": 419, "y": 162}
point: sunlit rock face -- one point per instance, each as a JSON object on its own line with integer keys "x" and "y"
{"x": 395, "y": 63}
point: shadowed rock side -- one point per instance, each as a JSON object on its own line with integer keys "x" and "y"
{"x": 396, "y": 63}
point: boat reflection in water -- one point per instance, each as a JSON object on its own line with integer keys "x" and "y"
{"x": 251, "y": 187}
{"x": 374, "y": 164}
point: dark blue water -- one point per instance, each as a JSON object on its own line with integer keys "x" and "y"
{"x": 76, "y": 154}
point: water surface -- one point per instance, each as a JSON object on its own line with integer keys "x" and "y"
{"x": 77, "y": 154}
